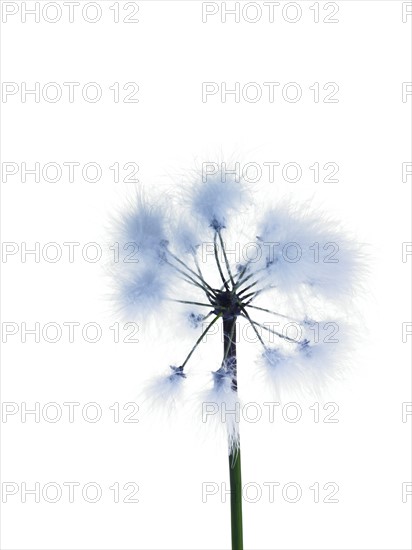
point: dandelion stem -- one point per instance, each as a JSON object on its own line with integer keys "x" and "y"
{"x": 228, "y": 347}
{"x": 235, "y": 472}
{"x": 209, "y": 326}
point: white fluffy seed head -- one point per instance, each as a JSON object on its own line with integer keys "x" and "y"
{"x": 305, "y": 260}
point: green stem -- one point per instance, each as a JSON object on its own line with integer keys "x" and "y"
{"x": 235, "y": 474}
{"x": 236, "y": 499}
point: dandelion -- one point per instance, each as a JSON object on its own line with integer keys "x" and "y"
{"x": 302, "y": 266}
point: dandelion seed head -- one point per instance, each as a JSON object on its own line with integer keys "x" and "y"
{"x": 300, "y": 265}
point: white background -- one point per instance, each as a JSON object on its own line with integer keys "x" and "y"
{"x": 169, "y": 53}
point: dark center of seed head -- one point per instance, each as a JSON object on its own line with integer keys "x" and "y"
{"x": 227, "y": 302}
